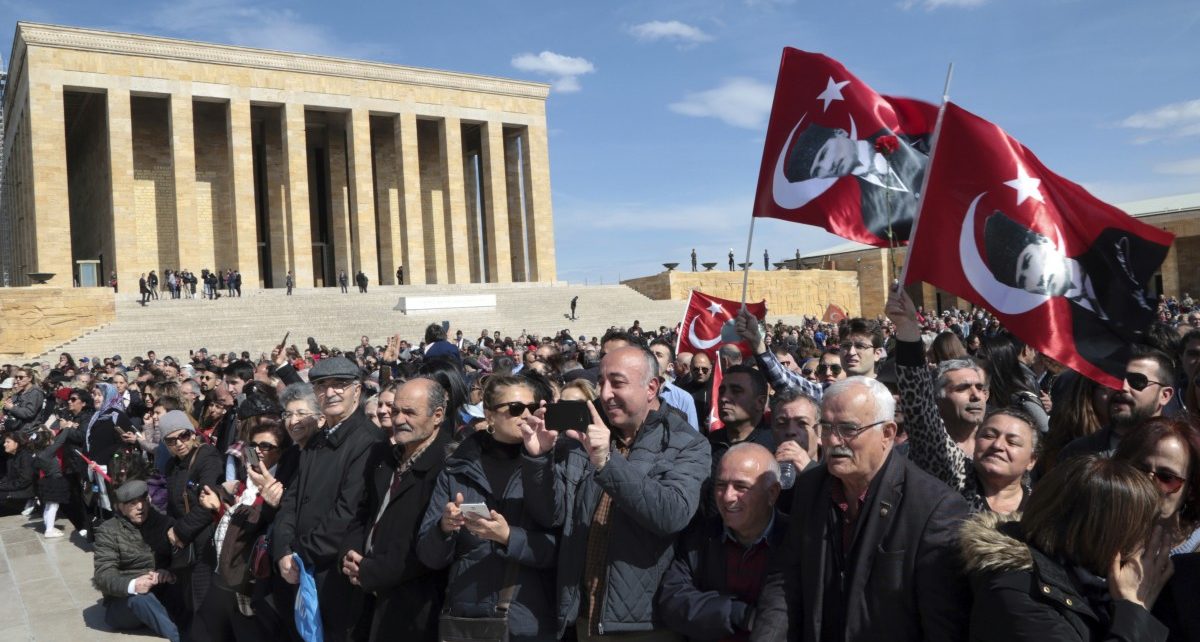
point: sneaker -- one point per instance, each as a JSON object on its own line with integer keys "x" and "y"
{"x": 28, "y": 510}
{"x": 53, "y": 532}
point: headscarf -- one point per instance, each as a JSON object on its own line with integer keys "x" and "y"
{"x": 110, "y": 406}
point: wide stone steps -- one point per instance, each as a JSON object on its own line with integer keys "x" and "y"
{"x": 258, "y": 320}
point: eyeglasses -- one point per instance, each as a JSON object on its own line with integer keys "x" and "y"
{"x": 177, "y": 439}
{"x": 1139, "y": 381}
{"x": 514, "y": 408}
{"x": 808, "y": 372}
{"x": 701, "y": 370}
{"x": 299, "y": 414}
{"x": 845, "y": 431}
{"x": 21, "y": 377}
{"x": 264, "y": 446}
{"x": 834, "y": 368}
{"x": 340, "y": 385}
{"x": 861, "y": 347}
{"x": 1168, "y": 482}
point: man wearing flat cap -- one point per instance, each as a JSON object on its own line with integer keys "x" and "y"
{"x": 131, "y": 557}
{"x": 319, "y": 506}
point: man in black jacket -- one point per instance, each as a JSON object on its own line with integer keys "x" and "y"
{"x": 870, "y": 554}
{"x": 400, "y": 478}
{"x": 710, "y": 590}
{"x": 320, "y": 505}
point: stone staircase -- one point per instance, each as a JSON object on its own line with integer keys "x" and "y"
{"x": 258, "y": 320}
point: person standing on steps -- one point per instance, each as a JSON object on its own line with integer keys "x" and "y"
{"x": 343, "y": 281}
{"x": 360, "y": 279}
{"x": 290, "y": 281}
{"x": 693, "y": 259}
{"x": 400, "y": 275}
{"x": 766, "y": 261}
{"x": 574, "y": 302}
{"x": 730, "y": 259}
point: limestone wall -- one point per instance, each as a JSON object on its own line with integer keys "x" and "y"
{"x": 38, "y": 318}
{"x": 787, "y": 292}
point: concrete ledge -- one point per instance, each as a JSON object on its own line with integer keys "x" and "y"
{"x": 37, "y": 318}
{"x": 787, "y": 292}
{"x": 426, "y": 303}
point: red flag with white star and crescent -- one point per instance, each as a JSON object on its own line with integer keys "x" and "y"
{"x": 840, "y": 156}
{"x": 1063, "y": 271}
{"x": 708, "y": 324}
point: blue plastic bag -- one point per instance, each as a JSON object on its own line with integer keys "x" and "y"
{"x": 308, "y": 613}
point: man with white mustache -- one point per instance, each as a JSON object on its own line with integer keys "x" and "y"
{"x": 875, "y": 557}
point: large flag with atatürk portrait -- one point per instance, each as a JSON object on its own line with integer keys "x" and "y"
{"x": 1063, "y": 271}
{"x": 840, "y": 156}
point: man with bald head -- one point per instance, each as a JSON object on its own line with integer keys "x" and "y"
{"x": 700, "y": 386}
{"x": 711, "y": 588}
{"x": 630, "y": 483}
{"x": 874, "y": 557}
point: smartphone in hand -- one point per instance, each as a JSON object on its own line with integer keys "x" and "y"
{"x": 568, "y": 415}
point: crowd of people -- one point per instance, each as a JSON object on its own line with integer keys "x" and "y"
{"x": 920, "y": 476}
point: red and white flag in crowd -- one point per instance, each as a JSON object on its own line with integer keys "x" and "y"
{"x": 834, "y": 314}
{"x": 1063, "y": 271}
{"x": 714, "y": 399}
{"x": 840, "y": 156}
{"x": 708, "y": 324}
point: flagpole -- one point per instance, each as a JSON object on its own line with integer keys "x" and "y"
{"x": 937, "y": 130}
{"x": 746, "y": 269}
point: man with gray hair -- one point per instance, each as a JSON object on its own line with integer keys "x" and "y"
{"x": 875, "y": 557}
{"x": 942, "y": 415}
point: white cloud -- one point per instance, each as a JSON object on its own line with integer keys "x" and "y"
{"x": 563, "y": 70}
{"x": 669, "y": 30}
{"x": 1175, "y": 120}
{"x": 1185, "y": 167}
{"x": 265, "y": 27}
{"x": 930, "y": 5}
{"x": 741, "y": 102}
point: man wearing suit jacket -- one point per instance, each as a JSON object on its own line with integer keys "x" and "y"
{"x": 406, "y": 596}
{"x": 870, "y": 551}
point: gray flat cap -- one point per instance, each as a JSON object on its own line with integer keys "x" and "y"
{"x": 334, "y": 368}
{"x": 131, "y": 490}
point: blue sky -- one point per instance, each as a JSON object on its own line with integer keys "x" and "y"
{"x": 659, "y": 109}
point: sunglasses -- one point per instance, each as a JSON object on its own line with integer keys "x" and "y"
{"x": 702, "y": 369}
{"x": 264, "y": 446}
{"x": 808, "y": 372}
{"x": 21, "y": 377}
{"x": 835, "y": 369}
{"x": 1168, "y": 482}
{"x": 515, "y": 408}
{"x": 1139, "y": 381}
{"x": 178, "y": 439}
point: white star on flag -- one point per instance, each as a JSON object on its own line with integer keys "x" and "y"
{"x": 833, "y": 91}
{"x": 1026, "y": 186}
{"x": 715, "y": 308}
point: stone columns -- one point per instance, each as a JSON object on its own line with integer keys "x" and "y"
{"x": 299, "y": 223}
{"x": 241, "y": 165}
{"x": 540, "y": 221}
{"x": 127, "y": 262}
{"x": 279, "y": 242}
{"x": 183, "y": 164}
{"x": 339, "y": 197}
{"x": 411, "y": 222}
{"x": 471, "y": 186}
{"x": 516, "y": 207}
{"x": 387, "y": 198}
{"x": 495, "y": 204}
{"x": 362, "y": 197}
{"x": 51, "y": 211}
{"x": 455, "y": 208}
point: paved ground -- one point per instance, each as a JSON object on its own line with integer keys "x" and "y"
{"x": 46, "y": 589}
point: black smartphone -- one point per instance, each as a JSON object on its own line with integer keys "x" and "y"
{"x": 568, "y": 415}
{"x": 251, "y": 454}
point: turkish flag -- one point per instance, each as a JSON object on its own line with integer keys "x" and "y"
{"x": 822, "y": 163}
{"x": 833, "y": 314}
{"x": 708, "y": 324}
{"x": 714, "y": 404}
{"x": 1063, "y": 271}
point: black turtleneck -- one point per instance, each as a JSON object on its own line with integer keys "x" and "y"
{"x": 499, "y": 461}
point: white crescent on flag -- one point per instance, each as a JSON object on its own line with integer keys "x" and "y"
{"x": 706, "y": 344}
{"x": 1003, "y": 298}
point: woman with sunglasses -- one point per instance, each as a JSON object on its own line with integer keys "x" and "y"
{"x": 21, "y": 410}
{"x": 193, "y": 466}
{"x": 242, "y": 514}
{"x": 1168, "y": 450}
{"x": 497, "y": 545}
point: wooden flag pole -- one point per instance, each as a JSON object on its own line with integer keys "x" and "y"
{"x": 746, "y": 269}
{"x": 937, "y": 129}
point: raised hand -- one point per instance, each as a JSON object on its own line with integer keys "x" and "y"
{"x": 538, "y": 439}
{"x": 747, "y": 328}
{"x": 901, "y": 310}
{"x": 596, "y": 441}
